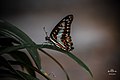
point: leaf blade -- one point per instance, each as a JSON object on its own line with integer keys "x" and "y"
{"x": 80, "y": 62}
{"x": 12, "y": 31}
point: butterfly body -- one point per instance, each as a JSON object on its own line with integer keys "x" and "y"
{"x": 60, "y": 35}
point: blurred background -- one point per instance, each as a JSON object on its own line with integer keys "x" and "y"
{"x": 95, "y": 33}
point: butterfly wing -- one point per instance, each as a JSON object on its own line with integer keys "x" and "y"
{"x": 60, "y": 35}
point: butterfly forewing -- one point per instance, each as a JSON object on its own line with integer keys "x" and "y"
{"x": 60, "y": 35}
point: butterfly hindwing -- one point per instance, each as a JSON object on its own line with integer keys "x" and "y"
{"x": 60, "y": 35}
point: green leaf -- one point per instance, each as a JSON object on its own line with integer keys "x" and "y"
{"x": 23, "y": 58}
{"x": 5, "y": 39}
{"x": 11, "y": 48}
{"x": 31, "y": 67}
{"x": 6, "y": 42}
{"x": 12, "y": 31}
{"x": 35, "y": 55}
{"x": 6, "y": 64}
{"x": 27, "y": 77}
{"x": 57, "y": 63}
{"x": 8, "y": 74}
{"x": 14, "y": 48}
{"x": 80, "y": 62}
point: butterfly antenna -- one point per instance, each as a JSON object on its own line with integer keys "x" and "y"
{"x": 45, "y": 31}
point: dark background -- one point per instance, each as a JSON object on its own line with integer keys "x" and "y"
{"x": 95, "y": 32}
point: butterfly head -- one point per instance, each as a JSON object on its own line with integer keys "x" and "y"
{"x": 46, "y": 38}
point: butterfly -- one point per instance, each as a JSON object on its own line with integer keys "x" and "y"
{"x": 60, "y": 35}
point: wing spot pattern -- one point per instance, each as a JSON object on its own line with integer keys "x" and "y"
{"x": 56, "y": 30}
{"x": 68, "y": 24}
{"x": 60, "y": 35}
{"x": 63, "y": 24}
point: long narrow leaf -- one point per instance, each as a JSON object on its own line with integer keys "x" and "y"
{"x": 31, "y": 67}
{"x": 22, "y": 57}
{"x": 8, "y": 74}
{"x": 28, "y": 77}
{"x": 10, "y": 30}
{"x": 57, "y": 63}
{"x": 7, "y": 65}
{"x": 80, "y": 62}
{"x": 14, "y": 48}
